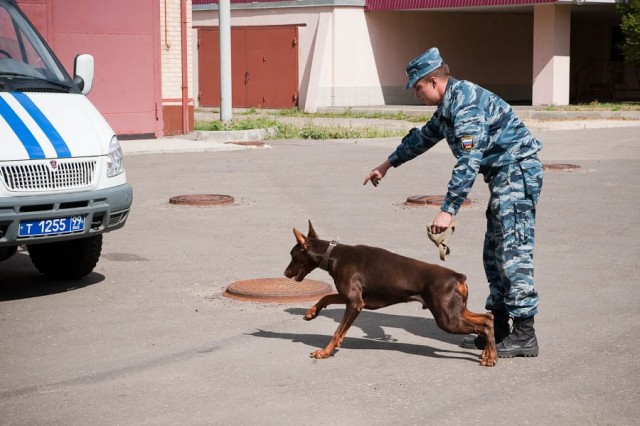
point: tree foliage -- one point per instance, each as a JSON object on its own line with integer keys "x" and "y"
{"x": 630, "y": 25}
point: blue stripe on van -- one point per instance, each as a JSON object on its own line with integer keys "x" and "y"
{"x": 56, "y": 140}
{"x": 24, "y": 134}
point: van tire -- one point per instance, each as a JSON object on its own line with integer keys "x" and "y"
{"x": 66, "y": 260}
{"x": 7, "y": 252}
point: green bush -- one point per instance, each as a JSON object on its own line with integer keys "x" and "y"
{"x": 630, "y": 26}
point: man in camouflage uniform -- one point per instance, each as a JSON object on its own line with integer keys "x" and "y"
{"x": 487, "y": 137}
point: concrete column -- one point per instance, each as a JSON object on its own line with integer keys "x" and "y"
{"x": 551, "y": 54}
{"x": 310, "y": 103}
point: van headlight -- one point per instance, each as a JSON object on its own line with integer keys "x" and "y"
{"x": 115, "y": 159}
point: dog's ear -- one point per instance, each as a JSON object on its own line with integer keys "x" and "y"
{"x": 302, "y": 240}
{"x": 312, "y": 232}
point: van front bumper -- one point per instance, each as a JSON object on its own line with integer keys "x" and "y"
{"x": 104, "y": 210}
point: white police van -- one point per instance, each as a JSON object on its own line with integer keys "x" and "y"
{"x": 62, "y": 179}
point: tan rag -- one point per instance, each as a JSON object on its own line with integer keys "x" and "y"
{"x": 441, "y": 239}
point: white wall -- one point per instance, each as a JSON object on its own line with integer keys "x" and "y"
{"x": 349, "y": 75}
{"x": 364, "y": 54}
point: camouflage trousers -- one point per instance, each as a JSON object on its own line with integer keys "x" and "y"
{"x": 509, "y": 240}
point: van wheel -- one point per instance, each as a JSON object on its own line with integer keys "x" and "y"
{"x": 7, "y": 252}
{"x": 66, "y": 260}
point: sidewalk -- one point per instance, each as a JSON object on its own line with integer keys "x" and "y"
{"x": 536, "y": 121}
{"x": 175, "y": 144}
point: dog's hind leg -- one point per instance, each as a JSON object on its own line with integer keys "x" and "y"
{"x": 330, "y": 299}
{"x": 350, "y": 314}
{"x": 457, "y": 319}
{"x": 483, "y": 326}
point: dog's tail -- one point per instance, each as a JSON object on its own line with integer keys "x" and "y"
{"x": 460, "y": 277}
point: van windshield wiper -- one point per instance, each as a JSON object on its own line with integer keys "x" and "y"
{"x": 13, "y": 74}
{"x": 22, "y": 76}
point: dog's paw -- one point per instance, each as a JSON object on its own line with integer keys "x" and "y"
{"x": 487, "y": 359}
{"x": 488, "y": 363}
{"x": 320, "y": 354}
{"x": 311, "y": 314}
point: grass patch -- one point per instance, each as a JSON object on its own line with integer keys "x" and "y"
{"x": 347, "y": 113}
{"x": 350, "y": 113}
{"x": 253, "y": 118}
{"x": 241, "y": 124}
{"x": 311, "y": 131}
{"x": 291, "y": 131}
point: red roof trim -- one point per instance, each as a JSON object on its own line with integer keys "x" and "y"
{"x": 445, "y": 4}
{"x": 408, "y": 4}
{"x": 194, "y": 2}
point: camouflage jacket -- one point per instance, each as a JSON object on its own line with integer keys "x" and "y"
{"x": 483, "y": 133}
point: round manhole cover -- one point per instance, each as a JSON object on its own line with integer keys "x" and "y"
{"x": 561, "y": 167}
{"x": 278, "y": 290}
{"x": 202, "y": 200}
{"x": 431, "y": 200}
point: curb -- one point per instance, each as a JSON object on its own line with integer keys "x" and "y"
{"x": 233, "y": 136}
{"x": 580, "y": 115}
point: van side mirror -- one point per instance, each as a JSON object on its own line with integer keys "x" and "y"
{"x": 83, "y": 72}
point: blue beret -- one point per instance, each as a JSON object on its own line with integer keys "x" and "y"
{"x": 422, "y": 65}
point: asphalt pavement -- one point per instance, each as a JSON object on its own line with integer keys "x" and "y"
{"x": 149, "y": 339}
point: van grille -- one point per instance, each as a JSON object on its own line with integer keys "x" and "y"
{"x": 48, "y": 175}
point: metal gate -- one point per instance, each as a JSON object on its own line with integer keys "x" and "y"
{"x": 264, "y": 67}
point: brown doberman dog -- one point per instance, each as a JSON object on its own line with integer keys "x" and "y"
{"x": 372, "y": 278}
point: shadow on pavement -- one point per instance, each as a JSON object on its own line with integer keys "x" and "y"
{"x": 19, "y": 279}
{"x": 373, "y": 324}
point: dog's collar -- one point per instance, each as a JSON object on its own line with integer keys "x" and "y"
{"x": 324, "y": 264}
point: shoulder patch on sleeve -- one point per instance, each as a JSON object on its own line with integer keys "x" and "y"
{"x": 467, "y": 142}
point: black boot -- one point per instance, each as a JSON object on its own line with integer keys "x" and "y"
{"x": 501, "y": 330}
{"x": 521, "y": 342}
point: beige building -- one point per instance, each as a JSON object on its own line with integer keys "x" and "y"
{"x": 353, "y": 52}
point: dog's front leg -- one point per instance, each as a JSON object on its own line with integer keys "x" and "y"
{"x": 330, "y": 299}
{"x": 350, "y": 314}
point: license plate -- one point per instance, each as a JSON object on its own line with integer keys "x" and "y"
{"x": 63, "y": 225}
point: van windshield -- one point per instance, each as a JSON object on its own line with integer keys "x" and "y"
{"x": 25, "y": 61}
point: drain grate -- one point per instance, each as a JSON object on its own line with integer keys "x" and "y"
{"x": 561, "y": 167}
{"x": 431, "y": 200}
{"x": 202, "y": 200}
{"x": 277, "y": 290}
{"x": 250, "y": 143}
